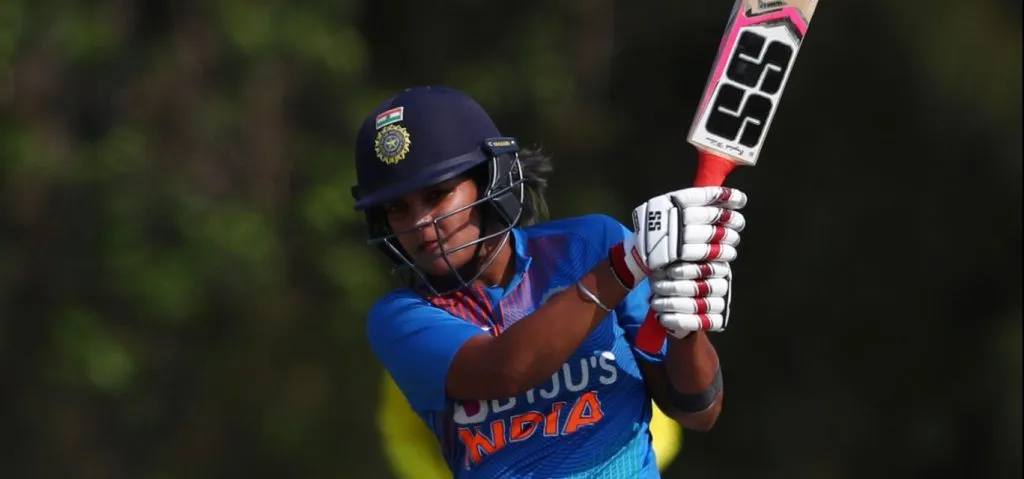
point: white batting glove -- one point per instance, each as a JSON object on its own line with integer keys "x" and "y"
{"x": 699, "y": 224}
{"x": 692, "y": 297}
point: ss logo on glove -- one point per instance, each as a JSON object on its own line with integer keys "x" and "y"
{"x": 654, "y": 221}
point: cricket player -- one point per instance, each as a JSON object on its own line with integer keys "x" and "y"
{"x": 513, "y": 336}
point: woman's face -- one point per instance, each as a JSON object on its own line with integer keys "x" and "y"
{"x": 412, "y": 217}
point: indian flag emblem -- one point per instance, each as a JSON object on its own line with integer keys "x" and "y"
{"x": 393, "y": 115}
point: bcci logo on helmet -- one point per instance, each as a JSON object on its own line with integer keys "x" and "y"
{"x": 392, "y": 144}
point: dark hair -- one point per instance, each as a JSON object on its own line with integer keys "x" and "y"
{"x": 536, "y": 164}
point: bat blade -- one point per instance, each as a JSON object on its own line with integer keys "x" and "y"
{"x": 753, "y": 64}
{"x": 750, "y": 71}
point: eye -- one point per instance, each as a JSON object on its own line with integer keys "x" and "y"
{"x": 395, "y": 209}
{"x": 435, "y": 195}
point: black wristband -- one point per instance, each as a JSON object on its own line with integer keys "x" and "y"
{"x": 697, "y": 402}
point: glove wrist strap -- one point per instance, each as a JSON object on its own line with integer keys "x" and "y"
{"x": 627, "y": 263}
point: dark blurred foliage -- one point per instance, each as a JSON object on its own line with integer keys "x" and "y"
{"x": 183, "y": 282}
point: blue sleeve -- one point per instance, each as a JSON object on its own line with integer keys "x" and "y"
{"x": 632, "y": 311}
{"x": 416, "y": 342}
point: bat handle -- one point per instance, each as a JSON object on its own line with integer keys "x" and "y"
{"x": 711, "y": 171}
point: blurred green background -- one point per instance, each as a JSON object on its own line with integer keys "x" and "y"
{"x": 183, "y": 282}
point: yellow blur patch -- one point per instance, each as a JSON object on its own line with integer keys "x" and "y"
{"x": 414, "y": 453}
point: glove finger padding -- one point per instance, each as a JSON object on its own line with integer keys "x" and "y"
{"x": 693, "y": 271}
{"x": 710, "y": 215}
{"x": 685, "y": 305}
{"x": 679, "y": 325}
{"x": 707, "y": 234}
{"x": 713, "y": 287}
{"x": 729, "y": 198}
{"x": 707, "y": 252}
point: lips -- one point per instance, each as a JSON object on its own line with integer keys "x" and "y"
{"x": 430, "y": 247}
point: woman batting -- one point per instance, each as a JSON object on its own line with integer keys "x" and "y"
{"x": 513, "y": 338}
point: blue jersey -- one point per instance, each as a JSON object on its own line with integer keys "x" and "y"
{"x": 590, "y": 419}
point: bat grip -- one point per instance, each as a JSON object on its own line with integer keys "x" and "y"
{"x": 711, "y": 171}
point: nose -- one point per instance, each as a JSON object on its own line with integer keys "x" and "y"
{"x": 425, "y": 224}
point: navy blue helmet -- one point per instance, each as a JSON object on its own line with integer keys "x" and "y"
{"x": 424, "y": 136}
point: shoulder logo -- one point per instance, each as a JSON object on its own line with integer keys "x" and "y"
{"x": 392, "y": 144}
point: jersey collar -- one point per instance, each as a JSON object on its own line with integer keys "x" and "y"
{"x": 522, "y": 259}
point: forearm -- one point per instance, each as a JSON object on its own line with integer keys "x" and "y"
{"x": 691, "y": 362}
{"x": 537, "y": 345}
{"x": 691, "y": 365}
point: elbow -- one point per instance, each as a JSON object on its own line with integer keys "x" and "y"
{"x": 521, "y": 371}
{"x": 488, "y": 368}
{"x": 508, "y": 385}
{"x": 484, "y": 370}
{"x": 486, "y": 384}
{"x": 511, "y": 381}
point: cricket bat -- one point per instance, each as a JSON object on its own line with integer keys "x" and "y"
{"x": 754, "y": 61}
